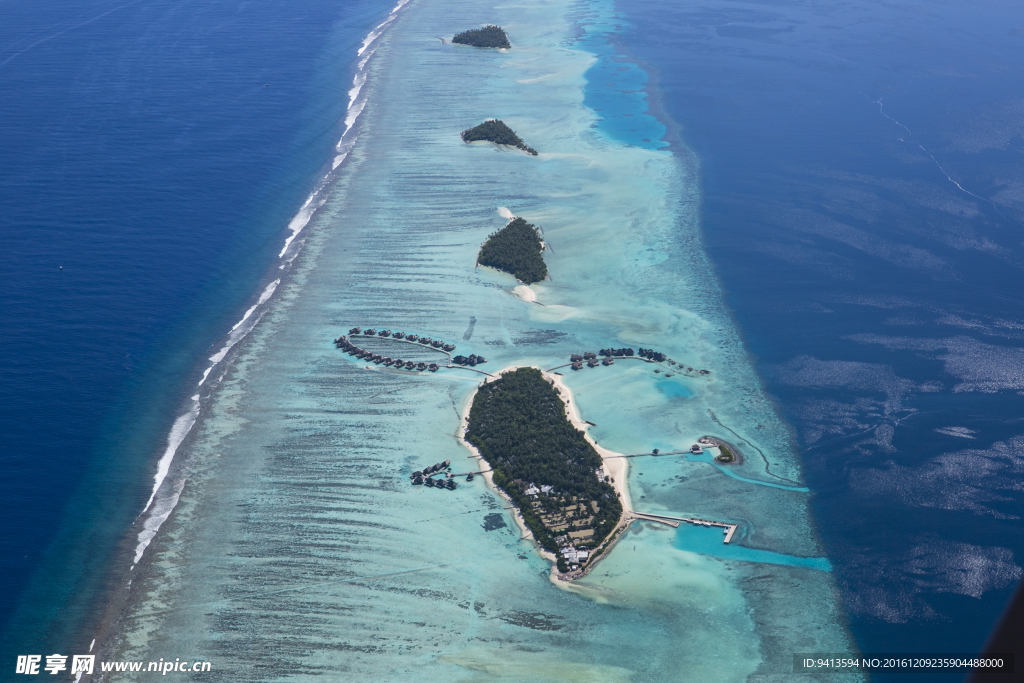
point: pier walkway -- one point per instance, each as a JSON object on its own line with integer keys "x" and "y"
{"x": 674, "y": 522}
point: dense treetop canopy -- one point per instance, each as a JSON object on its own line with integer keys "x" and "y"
{"x": 495, "y": 130}
{"x": 488, "y": 36}
{"x": 516, "y": 249}
{"x": 519, "y": 425}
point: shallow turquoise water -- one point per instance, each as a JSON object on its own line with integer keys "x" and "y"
{"x": 708, "y": 541}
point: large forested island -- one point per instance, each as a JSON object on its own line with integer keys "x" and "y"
{"x": 516, "y": 249}
{"x": 495, "y": 130}
{"x": 544, "y": 464}
{"x": 488, "y": 36}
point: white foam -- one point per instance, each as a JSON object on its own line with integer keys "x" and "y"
{"x": 505, "y": 213}
{"x": 182, "y": 426}
{"x": 357, "y": 85}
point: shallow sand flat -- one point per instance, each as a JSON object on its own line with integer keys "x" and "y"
{"x": 299, "y": 549}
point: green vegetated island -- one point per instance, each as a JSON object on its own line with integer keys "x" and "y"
{"x": 495, "y": 130}
{"x": 516, "y": 249}
{"x": 545, "y": 465}
{"x": 488, "y": 36}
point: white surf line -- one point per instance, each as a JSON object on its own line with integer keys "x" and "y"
{"x": 934, "y": 160}
{"x": 356, "y": 105}
{"x": 159, "y": 506}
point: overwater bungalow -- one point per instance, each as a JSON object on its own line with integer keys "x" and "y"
{"x": 446, "y": 464}
{"x": 399, "y": 362}
{"x": 409, "y": 365}
{"x": 608, "y": 361}
{"x": 589, "y": 355}
{"x": 449, "y": 347}
{"x": 384, "y": 333}
{"x": 398, "y": 335}
{"x": 460, "y": 360}
{"x": 378, "y": 359}
{"x": 696, "y": 449}
{"x": 421, "y": 366}
{"x": 577, "y": 365}
{"x": 705, "y": 372}
{"x": 436, "y": 343}
{"x": 432, "y": 367}
{"x": 418, "y": 481}
{"x": 575, "y": 357}
{"x": 416, "y": 474}
{"x": 429, "y": 482}
{"x": 370, "y": 332}
{"x": 412, "y": 337}
{"x": 451, "y": 484}
{"x": 425, "y": 340}
{"x": 481, "y": 359}
{"x": 469, "y": 477}
{"x": 355, "y": 330}
{"x": 592, "y": 363}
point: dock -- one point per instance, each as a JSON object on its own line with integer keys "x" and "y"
{"x": 674, "y": 522}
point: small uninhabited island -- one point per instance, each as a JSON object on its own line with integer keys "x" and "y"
{"x": 495, "y": 130}
{"x": 488, "y": 36}
{"x": 516, "y": 249}
{"x": 545, "y": 465}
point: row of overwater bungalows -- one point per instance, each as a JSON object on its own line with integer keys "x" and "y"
{"x": 426, "y": 476}
{"x": 426, "y": 341}
{"x": 380, "y": 359}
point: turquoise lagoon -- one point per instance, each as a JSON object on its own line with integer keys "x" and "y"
{"x": 298, "y": 549}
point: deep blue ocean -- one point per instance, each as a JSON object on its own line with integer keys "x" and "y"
{"x": 151, "y": 156}
{"x": 863, "y": 202}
